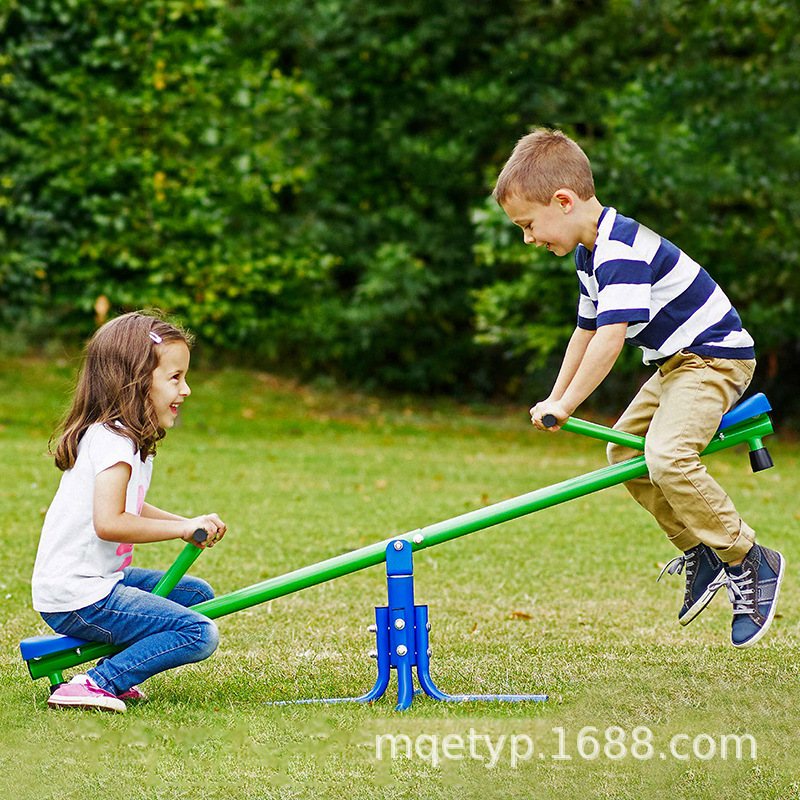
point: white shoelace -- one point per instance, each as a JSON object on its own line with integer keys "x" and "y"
{"x": 741, "y": 590}
{"x": 676, "y": 565}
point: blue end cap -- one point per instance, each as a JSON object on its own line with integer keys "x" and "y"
{"x": 752, "y": 407}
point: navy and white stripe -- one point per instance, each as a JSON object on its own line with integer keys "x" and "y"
{"x": 668, "y": 300}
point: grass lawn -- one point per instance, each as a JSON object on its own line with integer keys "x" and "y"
{"x": 563, "y": 602}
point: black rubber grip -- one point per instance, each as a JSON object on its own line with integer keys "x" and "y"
{"x": 200, "y": 535}
{"x": 549, "y": 420}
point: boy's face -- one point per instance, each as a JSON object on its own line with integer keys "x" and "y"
{"x": 552, "y": 225}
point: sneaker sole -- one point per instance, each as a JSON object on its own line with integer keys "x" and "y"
{"x": 705, "y": 598}
{"x": 82, "y": 703}
{"x": 765, "y": 627}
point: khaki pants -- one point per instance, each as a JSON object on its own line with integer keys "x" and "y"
{"x": 679, "y": 410}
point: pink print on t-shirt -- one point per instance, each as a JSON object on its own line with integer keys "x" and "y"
{"x": 125, "y": 549}
{"x": 140, "y": 501}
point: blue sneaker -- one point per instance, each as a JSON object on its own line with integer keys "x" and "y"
{"x": 704, "y": 578}
{"x": 753, "y": 588}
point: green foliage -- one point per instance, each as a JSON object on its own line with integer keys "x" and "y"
{"x": 696, "y": 137}
{"x": 306, "y": 181}
{"x": 414, "y": 98}
{"x": 142, "y": 159}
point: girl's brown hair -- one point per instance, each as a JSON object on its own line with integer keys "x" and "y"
{"x": 114, "y": 384}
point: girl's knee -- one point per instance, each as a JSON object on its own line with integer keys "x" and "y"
{"x": 190, "y": 591}
{"x": 201, "y": 587}
{"x": 207, "y": 639}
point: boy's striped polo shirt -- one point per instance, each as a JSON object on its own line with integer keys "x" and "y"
{"x": 669, "y": 301}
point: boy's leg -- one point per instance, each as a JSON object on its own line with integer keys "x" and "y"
{"x": 695, "y": 393}
{"x": 703, "y": 567}
{"x": 678, "y": 410}
{"x": 636, "y": 420}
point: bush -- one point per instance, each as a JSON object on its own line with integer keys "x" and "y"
{"x": 142, "y": 159}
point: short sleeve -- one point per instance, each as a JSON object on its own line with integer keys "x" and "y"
{"x": 623, "y": 294}
{"x": 107, "y": 448}
{"x": 587, "y": 312}
{"x": 587, "y": 308}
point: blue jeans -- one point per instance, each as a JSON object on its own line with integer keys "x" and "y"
{"x": 158, "y": 633}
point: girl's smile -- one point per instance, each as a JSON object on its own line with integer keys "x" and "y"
{"x": 169, "y": 388}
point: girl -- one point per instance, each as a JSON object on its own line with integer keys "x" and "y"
{"x": 130, "y": 389}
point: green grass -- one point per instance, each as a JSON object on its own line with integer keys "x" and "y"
{"x": 563, "y": 602}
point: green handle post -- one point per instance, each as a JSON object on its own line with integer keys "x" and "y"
{"x": 185, "y": 559}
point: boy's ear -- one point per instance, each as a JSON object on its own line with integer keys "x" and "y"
{"x": 565, "y": 199}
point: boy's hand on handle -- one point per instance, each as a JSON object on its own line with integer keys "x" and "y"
{"x": 211, "y": 524}
{"x": 549, "y": 408}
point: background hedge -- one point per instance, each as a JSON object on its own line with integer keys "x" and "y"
{"x": 306, "y": 181}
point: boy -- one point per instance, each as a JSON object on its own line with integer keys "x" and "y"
{"x": 636, "y": 286}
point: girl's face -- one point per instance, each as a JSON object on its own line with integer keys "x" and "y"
{"x": 169, "y": 388}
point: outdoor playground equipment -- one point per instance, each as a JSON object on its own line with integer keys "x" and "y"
{"x": 401, "y": 627}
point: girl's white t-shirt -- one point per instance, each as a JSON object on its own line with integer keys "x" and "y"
{"x": 74, "y": 566}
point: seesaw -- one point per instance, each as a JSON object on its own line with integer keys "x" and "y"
{"x": 401, "y": 627}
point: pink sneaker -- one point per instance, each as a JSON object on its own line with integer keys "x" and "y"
{"x": 133, "y": 695}
{"x": 83, "y": 692}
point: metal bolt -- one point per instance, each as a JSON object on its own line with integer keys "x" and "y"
{"x": 399, "y": 623}
{"x": 721, "y": 436}
{"x": 418, "y": 538}
{"x": 429, "y": 652}
{"x": 373, "y": 628}
{"x": 373, "y": 653}
{"x": 427, "y": 626}
{"x": 401, "y": 650}
{"x": 398, "y": 545}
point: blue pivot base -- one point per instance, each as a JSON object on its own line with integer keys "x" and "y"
{"x": 401, "y": 630}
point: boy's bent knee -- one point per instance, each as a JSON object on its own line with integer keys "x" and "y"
{"x": 616, "y": 453}
{"x": 667, "y": 469}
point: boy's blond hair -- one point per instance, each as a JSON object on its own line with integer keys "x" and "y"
{"x": 541, "y": 163}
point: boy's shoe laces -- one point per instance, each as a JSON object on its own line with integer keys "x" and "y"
{"x": 741, "y": 591}
{"x": 676, "y": 566}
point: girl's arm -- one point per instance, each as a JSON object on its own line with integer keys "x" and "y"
{"x": 151, "y": 512}
{"x": 113, "y": 524}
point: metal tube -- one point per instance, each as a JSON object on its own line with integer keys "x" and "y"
{"x": 595, "y": 431}
{"x": 473, "y": 521}
{"x": 187, "y": 557}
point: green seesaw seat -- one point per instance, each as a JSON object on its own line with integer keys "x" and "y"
{"x": 747, "y": 423}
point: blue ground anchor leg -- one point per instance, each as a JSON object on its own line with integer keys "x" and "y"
{"x": 401, "y": 630}
{"x": 381, "y": 630}
{"x": 408, "y": 635}
{"x": 422, "y": 627}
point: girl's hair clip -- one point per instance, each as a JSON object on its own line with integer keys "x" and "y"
{"x": 155, "y": 337}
